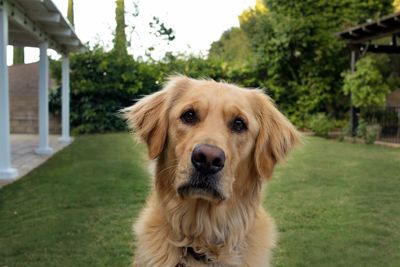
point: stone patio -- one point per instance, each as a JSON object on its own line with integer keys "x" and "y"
{"x": 24, "y": 158}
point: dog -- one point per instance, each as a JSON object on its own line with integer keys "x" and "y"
{"x": 214, "y": 145}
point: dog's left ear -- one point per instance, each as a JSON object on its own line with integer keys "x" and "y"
{"x": 276, "y": 138}
{"x": 148, "y": 118}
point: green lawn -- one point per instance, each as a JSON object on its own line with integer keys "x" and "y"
{"x": 77, "y": 209}
{"x": 336, "y": 204}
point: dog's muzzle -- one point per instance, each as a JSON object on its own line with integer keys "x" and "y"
{"x": 203, "y": 186}
{"x": 207, "y": 161}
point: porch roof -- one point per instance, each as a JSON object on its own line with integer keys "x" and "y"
{"x": 382, "y": 27}
{"x": 32, "y": 22}
{"x": 360, "y": 36}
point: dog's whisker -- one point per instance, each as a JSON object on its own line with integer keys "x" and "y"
{"x": 168, "y": 168}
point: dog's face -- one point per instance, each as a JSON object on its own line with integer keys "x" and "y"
{"x": 212, "y": 128}
{"x": 213, "y": 135}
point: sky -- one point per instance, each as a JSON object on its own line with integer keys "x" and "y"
{"x": 197, "y": 23}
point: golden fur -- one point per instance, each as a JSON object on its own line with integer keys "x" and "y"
{"x": 233, "y": 230}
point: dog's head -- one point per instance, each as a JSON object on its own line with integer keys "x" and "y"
{"x": 212, "y": 137}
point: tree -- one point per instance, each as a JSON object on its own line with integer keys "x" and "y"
{"x": 18, "y": 55}
{"x": 70, "y": 13}
{"x": 232, "y": 48}
{"x": 396, "y": 5}
{"x": 248, "y": 14}
{"x": 366, "y": 85}
{"x": 298, "y": 57}
{"x": 120, "y": 42}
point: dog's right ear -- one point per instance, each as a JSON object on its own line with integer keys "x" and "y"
{"x": 276, "y": 138}
{"x": 149, "y": 116}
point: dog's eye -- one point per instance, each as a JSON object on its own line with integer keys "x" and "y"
{"x": 238, "y": 125}
{"x": 189, "y": 117}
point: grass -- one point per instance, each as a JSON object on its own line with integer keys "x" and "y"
{"x": 77, "y": 209}
{"x": 335, "y": 204}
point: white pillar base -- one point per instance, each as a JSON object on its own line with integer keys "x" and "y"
{"x": 65, "y": 140}
{"x": 8, "y": 174}
{"x": 44, "y": 151}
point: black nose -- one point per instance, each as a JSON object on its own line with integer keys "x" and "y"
{"x": 208, "y": 159}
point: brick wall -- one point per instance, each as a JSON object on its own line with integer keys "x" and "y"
{"x": 24, "y": 83}
{"x": 393, "y": 99}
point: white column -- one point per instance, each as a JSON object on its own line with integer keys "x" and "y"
{"x": 65, "y": 102}
{"x": 44, "y": 148}
{"x": 6, "y": 172}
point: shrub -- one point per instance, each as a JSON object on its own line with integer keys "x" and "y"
{"x": 320, "y": 124}
{"x": 366, "y": 85}
{"x": 368, "y": 132}
{"x": 101, "y": 84}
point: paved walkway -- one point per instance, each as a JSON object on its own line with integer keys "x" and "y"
{"x": 23, "y": 153}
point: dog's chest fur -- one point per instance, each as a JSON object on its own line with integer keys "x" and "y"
{"x": 219, "y": 232}
{"x": 170, "y": 225}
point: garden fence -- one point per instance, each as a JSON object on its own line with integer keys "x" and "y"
{"x": 389, "y": 120}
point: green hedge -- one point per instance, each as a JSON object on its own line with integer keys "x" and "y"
{"x": 101, "y": 84}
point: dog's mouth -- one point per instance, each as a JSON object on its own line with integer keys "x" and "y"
{"x": 201, "y": 186}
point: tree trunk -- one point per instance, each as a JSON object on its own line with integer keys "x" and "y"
{"x": 18, "y": 55}
{"x": 70, "y": 13}
{"x": 120, "y": 43}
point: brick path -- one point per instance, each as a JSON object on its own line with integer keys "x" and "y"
{"x": 23, "y": 153}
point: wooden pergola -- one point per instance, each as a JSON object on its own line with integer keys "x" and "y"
{"x": 360, "y": 40}
{"x": 34, "y": 23}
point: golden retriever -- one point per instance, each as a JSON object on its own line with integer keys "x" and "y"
{"x": 215, "y": 144}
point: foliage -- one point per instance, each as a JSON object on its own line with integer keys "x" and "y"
{"x": 320, "y": 124}
{"x": 193, "y": 66}
{"x": 198, "y": 67}
{"x": 396, "y": 5}
{"x": 295, "y": 54}
{"x": 120, "y": 41}
{"x": 161, "y": 30}
{"x": 18, "y": 55}
{"x": 362, "y": 128}
{"x": 232, "y": 48}
{"x": 368, "y": 132}
{"x": 366, "y": 85}
{"x": 70, "y": 13}
{"x": 287, "y": 47}
{"x": 292, "y": 51}
{"x": 345, "y": 131}
{"x": 101, "y": 84}
{"x": 250, "y": 13}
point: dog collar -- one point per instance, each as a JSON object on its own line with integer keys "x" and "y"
{"x": 197, "y": 256}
